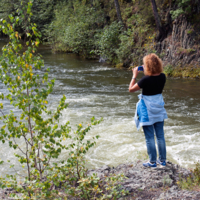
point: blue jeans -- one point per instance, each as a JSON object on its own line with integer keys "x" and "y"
{"x": 150, "y": 142}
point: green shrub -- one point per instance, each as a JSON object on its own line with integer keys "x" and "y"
{"x": 125, "y": 46}
{"x": 183, "y": 7}
{"x": 168, "y": 70}
{"x": 192, "y": 182}
{"x": 137, "y": 40}
{"x": 75, "y": 26}
{"x": 108, "y": 41}
{"x": 42, "y": 12}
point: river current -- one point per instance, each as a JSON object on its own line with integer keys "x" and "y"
{"x": 94, "y": 89}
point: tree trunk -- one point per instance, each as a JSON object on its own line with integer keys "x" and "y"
{"x": 118, "y": 11}
{"x": 156, "y": 15}
{"x": 162, "y": 32}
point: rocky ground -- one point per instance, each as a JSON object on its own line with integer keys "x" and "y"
{"x": 145, "y": 183}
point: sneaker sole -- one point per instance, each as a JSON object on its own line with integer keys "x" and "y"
{"x": 150, "y": 167}
{"x": 160, "y": 165}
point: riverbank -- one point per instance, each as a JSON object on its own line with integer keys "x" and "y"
{"x": 188, "y": 71}
{"x": 143, "y": 183}
{"x": 147, "y": 183}
{"x": 124, "y": 46}
{"x": 192, "y": 72}
{"x": 95, "y": 30}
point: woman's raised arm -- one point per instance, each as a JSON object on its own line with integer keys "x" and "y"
{"x": 133, "y": 87}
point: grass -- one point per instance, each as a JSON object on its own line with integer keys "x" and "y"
{"x": 192, "y": 182}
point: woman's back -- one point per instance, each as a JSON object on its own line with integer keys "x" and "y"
{"x": 152, "y": 85}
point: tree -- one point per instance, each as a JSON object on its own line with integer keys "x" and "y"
{"x": 156, "y": 15}
{"x": 36, "y": 126}
{"x": 162, "y": 32}
{"x": 117, "y": 6}
{"x": 42, "y": 11}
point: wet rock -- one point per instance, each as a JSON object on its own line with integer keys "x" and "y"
{"x": 127, "y": 63}
{"x": 102, "y": 59}
{"x": 105, "y": 167}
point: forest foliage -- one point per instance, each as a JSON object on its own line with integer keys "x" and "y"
{"x": 91, "y": 28}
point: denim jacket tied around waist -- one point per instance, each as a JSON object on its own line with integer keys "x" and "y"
{"x": 149, "y": 110}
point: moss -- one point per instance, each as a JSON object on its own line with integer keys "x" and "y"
{"x": 168, "y": 70}
{"x": 120, "y": 65}
{"x": 59, "y": 47}
{"x": 188, "y": 71}
{"x": 182, "y": 51}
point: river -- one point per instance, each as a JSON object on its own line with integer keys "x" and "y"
{"x": 94, "y": 89}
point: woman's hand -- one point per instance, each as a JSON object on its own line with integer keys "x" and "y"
{"x": 134, "y": 86}
{"x": 135, "y": 72}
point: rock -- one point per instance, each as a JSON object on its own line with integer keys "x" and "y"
{"x": 102, "y": 59}
{"x": 105, "y": 167}
{"x": 127, "y": 63}
{"x": 142, "y": 181}
{"x": 179, "y": 48}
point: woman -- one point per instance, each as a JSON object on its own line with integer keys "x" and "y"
{"x": 150, "y": 111}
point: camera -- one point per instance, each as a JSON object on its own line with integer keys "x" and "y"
{"x": 140, "y": 68}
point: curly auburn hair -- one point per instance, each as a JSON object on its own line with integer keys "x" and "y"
{"x": 153, "y": 64}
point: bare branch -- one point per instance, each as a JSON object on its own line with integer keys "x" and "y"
{"x": 24, "y": 135}
{"x": 19, "y": 147}
{"x": 29, "y": 119}
{"x": 27, "y": 163}
{"x": 40, "y": 168}
{"x": 2, "y": 112}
